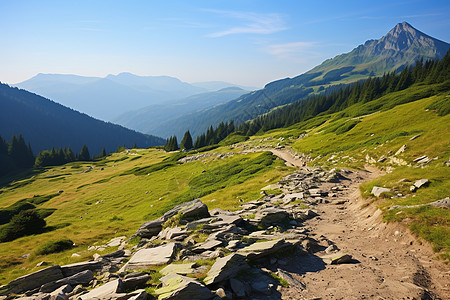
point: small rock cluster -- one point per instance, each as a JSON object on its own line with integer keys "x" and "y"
{"x": 213, "y": 254}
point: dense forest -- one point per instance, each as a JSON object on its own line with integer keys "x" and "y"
{"x": 46, "y": 124}
{"x": 16, "y": 155}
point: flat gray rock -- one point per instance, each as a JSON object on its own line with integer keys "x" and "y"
{"x": 72, "y": 269}
{"x": 261, "y": 249}
{"x": 105, "y": 291}
{"x": 145, "y": 258}
{"x": 178, "y": 287}
{"x": 181, "y": 269}
{"x": 150, "y": 228}
{"x": 83, "y": 278}
{"x": 208, "y": 245}
{"x": 271, "y": 216}
{"x": 376, "y": 190}
{"x": 421, "y": 182}
{"x": 191, "y": 210}
{"x": 33, "y": 280}
{"x": 225, "y": 268}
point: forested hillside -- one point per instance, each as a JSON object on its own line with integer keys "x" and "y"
{"x": 46, "y": 124}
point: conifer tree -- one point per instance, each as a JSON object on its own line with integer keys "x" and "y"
{"x": 186, "y": 142}
{"x": 84, "y": 154}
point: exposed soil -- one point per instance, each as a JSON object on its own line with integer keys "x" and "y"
{"x": 388, "y": 262}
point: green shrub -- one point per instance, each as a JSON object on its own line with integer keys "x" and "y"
{"x": 26, "y": 222}
{"x": 55, "y": 247}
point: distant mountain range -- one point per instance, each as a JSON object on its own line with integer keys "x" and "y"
{"x": 160, "y": 119}
{"x": 107, "y": 98}
{"x": 402, "y": 46}
{"x": 45, "y": 124}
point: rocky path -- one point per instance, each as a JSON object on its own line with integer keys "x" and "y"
{"x": 316, "y": 240}
{"x": 388, "y": 262}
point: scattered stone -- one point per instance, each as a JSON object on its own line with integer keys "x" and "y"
{"x": 291, "y": 280}
{"x": 261, "y": 249}
{"x": 178, "y": 287}
{"x": 221, "y": 293}
{"x": 132, "y": 283}
{"x": 82, "y": 278}
{"x": 191, "y": 210}
{"x": 150, "y": 228}
{"x": 145, "y": 258}
{"x": 237, "y": 287}
{"x": 443, "y": 203}
{"x": 401, "y": 150}
{"x": 105, "y": 291}
{"x": 181, "y": 269}
{"x": 341, "y": 259}
{"x": 421, "y": 182}
{"x": 208, "y": 245}
{"x": 33, "y": 280}
{"x": 270, "y": 216}
{"x": 42, "y": 263}
{"x": 72, "y": 269}
{"x": 377, "y": 191}
{"x": 225, "y": 268}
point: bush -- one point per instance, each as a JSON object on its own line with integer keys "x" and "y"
{"x": 55, "y": 247}
{"x": 26, "y": 222}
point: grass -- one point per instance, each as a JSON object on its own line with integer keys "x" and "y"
{"x": 98, "y": 205}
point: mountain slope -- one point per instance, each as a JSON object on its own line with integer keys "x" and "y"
{"x": 45, "y": 124}
{"x": 402, "y": 46}
{"x": 106, "y": 98}
{"x": 159, "y": 119}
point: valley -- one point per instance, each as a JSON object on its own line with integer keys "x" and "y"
{"x": 333, "y": 184}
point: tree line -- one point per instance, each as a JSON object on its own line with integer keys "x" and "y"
{"x": 428, "y": 72}
{"x": 212, "y": 137}
{"x": 333, "y": 99}
{"x": 18, "y": 155}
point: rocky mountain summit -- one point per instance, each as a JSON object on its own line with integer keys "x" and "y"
{"x": 210, "y": 254}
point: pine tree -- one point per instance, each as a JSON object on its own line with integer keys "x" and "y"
{"x": 186, "y": 142}
{"x": 84, "y": 154}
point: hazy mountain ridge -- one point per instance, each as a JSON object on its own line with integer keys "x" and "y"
{"x": 161, "y": 119}
{"x": 46, "y": 124}
{"x": 109, "y": 97}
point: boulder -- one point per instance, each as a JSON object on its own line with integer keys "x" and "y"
{"x": 150, "y": 228}
{"x": 105, "y": 291}
{"x": 261, "y": 249}
{"x": 443, "y": 203}
{"x": 181, "y": 269}
{"x": 61, "y": 293}
{"x": 132, "y": 283}
{"x": 191, "y": 210}
{"x": 208, "y": 245}
{"x": 83, "y": 278}
{"x": 72, "y": 269}
{"x": 421, "y": 182}
{"x": 225, "y": 268}
{"x": 33, "y": 280}
{"x": 270, "y": 216}
{"x": 237, "y": 287}
{"x": 178, "y": 287}
{"x": 138, "y": 295}
{"x": 341, "y": 259}
{"x": 376, "y": 190}
{"x": 145, "y": 258}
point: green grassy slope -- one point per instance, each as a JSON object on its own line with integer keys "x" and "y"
{"x": 114, "y": 198}
{"x": 354, "y": 139}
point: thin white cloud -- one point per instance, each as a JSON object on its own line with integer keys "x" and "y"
{"x": 298, "y": 51}
{"x": 252, "y": 23}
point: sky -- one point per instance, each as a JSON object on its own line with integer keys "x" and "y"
{"x": 239, "y": 41}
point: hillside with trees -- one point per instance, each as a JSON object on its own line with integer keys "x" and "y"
{"x": 46, "y": 124}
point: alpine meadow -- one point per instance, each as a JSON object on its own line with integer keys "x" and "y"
{"x": 331, "y": 181}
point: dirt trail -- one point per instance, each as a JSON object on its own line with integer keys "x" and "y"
{"x": 388, "y": 262}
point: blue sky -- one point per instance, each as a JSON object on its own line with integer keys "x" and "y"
{"x": 244, "y": 42}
